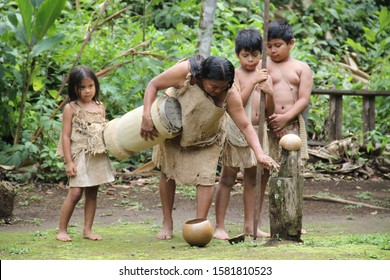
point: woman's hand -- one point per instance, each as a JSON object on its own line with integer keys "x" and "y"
{"x": 148, "y": 130}
{"x": 268, "y": 162}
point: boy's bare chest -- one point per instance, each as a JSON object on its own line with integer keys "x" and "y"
{"x": 285, "y": 76}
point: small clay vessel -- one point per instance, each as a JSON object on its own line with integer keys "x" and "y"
{"x": 198, "y": 232}
{"x": 291, "y": 142}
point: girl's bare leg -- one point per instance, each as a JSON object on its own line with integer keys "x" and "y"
{"x": 249, "y": 200}
{"x": 71, "y": 200}
{"x": 167, "y": 196}
{"x": 226, "y": 183}
{"x": 89, "y": 212}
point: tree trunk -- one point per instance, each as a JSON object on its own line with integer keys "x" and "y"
{"x": 286, "y": 199}
{"x": 206, "y": 24}
{"x": 7, "y": 198}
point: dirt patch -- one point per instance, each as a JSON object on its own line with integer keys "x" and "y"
{"x": 37, "y": 207}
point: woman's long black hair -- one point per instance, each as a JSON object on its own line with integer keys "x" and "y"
{"x": 212, "y": 68}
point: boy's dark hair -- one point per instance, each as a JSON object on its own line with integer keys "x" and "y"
{"x": 76, "y": 77}
{"x": 249, "y": 40}
{"x": 212, "y": 68}
{"x": 280, "y": 29}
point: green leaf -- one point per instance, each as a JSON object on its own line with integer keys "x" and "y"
{"x": 21, "y": 35}
{"x": 384, "y": 18}
{"x": 356, "y": 46}
{"x": 46, "y": 44}
{"x": 370, "y": 34}
{"x": 48, "y": 12}
{"x": 334, "y": 13}
{"x": 26, "y": 10}
{"x": 38, "y": 83}
{"x": 53, "y": 93}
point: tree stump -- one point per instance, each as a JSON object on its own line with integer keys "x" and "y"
{"x": 7, "y": 198}
{"x": 286, "y": 198}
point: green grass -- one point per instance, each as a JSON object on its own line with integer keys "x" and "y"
{"x": 129, "y": 241}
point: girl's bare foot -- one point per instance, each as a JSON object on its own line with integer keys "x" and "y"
{"x": 165, "y": 234}
{"x": 220, "y": 234}
{"x": 92, "y": 236}
{"x": 63, "y": 236}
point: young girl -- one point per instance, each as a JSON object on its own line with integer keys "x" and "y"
{"x": 87, "y": 163}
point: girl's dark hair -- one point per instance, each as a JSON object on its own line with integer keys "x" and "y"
{"x": 280, "y": 29}
{"x": 212, "y": 68}
{"x": 76, "y": 77}
{"x": 249, "y": 40}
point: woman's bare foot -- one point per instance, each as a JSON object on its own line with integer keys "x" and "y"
{"x": 63, "y": 236}
{"x": 92, "y": 236}
{"x": 165, "y": 234}
{"x": 220, "y": 234}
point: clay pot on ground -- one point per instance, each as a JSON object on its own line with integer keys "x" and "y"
{"x": 198, "y": 232}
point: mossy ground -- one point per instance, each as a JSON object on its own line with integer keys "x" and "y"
{"x": 128, "y": 241}
{"x": 129, "y": 217}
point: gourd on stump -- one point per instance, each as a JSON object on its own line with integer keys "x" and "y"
{"x": 286, "y": 198}
{"x": 7, "y": 198}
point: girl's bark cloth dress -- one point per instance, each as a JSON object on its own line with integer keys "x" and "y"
{"x": 88, "y": 150}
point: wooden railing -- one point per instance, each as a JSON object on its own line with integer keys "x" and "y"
{"x": 336, "y": 109}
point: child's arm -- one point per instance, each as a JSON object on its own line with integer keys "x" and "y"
{"x": 266, "y": 87}
{"x": 265, "y": 83}
{"x": 304, "y": 91}
{"x": 103, "y": 111}
{"x": 247, "y": 85}
{"x": 66, "y": 134}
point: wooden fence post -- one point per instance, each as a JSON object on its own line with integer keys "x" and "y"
{"x": 368, "y": 114}
{"x": 335, "y": 117}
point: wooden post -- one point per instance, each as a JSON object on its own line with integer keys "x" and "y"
{"x": 260, "y": 190}
{"x": 286, "y": 198}
{"x": 368, "y": 115}
{"x": 335, "y": 117}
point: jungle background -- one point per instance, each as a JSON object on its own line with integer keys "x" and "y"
{"x": 345, "y": 43}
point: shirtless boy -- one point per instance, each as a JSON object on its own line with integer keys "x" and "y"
{"x": 237, "y": 153}
{"x": 292, "y": 82}
{"x": 292, "y": 79}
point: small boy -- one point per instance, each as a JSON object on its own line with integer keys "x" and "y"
{"x": 292, "y": 82}
{"x": 250, "y": 81}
